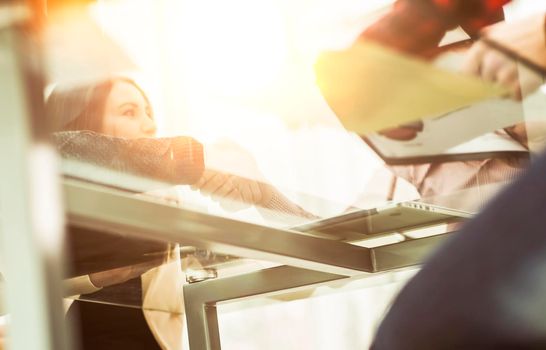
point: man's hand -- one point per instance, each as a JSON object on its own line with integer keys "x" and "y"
{"x": 525, "y": 38}
{"x": 405, "y": 132}
{"x": 233, "y": 192}
{"x": 491, "y": 65}
{"x": 233, "y": 178}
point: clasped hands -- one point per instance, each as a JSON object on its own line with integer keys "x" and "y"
{"x": 233, "y": 192}
{"x": 232, "y": 178}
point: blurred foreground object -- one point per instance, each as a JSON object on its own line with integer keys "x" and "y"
{"x": 32, "y": 218}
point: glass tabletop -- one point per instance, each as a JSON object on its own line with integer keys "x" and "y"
{"x": 163, "y": 113}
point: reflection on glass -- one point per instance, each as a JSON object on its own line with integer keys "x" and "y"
{"x": 183, "y": 106}
{"x": 111, "y": 124}
{"x": 318, "y": 170}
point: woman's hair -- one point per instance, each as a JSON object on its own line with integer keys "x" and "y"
{"x": 82, "y": 108}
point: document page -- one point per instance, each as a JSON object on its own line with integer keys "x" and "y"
{"x": 466, "y": 126}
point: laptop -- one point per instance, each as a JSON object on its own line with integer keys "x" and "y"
{"x": 390, "y": 218}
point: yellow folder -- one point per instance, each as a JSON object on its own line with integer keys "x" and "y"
{"x": 371, "y": 88}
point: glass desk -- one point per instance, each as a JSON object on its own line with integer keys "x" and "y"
{"x": 135, "y": 229}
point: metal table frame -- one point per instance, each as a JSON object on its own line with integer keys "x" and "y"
{"x": 306, "y": 260}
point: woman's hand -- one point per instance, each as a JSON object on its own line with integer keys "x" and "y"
{"x": 122, "y": 274}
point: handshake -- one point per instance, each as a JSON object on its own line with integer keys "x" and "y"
{"x": 223, "y": 171}
{"x": 232, "y": 178}
{"x": 234, "y": 192}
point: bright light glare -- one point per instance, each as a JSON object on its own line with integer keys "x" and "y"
{"x": 243, "y": 70}
{"x": 232, "y": 47}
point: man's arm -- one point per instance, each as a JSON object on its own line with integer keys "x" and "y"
{"x": 417, "y": 26}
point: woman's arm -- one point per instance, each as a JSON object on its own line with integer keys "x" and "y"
{"x": 175, "y": 160}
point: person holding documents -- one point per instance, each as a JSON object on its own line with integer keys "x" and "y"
{"x": 416, "y": 27}
{"x": 484, "y": 289}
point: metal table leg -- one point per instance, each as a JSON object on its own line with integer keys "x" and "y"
{"x": 201, "y": 298}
